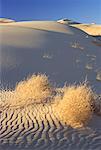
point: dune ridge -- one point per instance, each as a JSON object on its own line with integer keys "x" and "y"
{"x": 57, "y": 26}
{"x": 91, "y": 29}
{"x": 5, "y": 20}
{"x": 41, "y": 25}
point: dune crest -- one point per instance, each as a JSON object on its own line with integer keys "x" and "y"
{"x": 91, "y": 29}
{"x": 5, "y": 20}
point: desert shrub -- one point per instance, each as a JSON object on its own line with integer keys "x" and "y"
{"x": 75, "y": 107}
{"x": 35, "y": 89}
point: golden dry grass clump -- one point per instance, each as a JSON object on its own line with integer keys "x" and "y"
{"x": 75, "y": 107}
{"x": 72, "y": 105}
{"x": 35, "y": 89}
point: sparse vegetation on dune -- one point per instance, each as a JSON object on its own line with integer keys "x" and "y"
{"x": 72, "y": 104}
{"x": 33, "y": 90}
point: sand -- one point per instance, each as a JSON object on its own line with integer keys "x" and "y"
{"x": 91, "y": 29}
{"x": 5, "y": 20}
{"x": 37, "y": 113}
{"x": 65, "y": 116}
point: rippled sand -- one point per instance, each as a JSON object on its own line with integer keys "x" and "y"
{"x": 38, "y": 115}
{"x": 34, "y": 112}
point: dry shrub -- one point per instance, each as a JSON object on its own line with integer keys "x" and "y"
{"x": 75, "y": 107}
{"x": 35, "y": 89}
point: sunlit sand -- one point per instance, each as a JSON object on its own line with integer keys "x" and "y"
{"x": 50, "y": 96}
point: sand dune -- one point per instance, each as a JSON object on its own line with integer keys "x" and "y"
{"x": 5, "y": 20}
{"x": 47, "y": 52}
{"x": 42, "y": 25}
{"x": 67, "y": 21}
{"x": 90, "y": 29}
{"x": 33, "y": 112}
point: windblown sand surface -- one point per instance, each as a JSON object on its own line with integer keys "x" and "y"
{"x": 37, "y": 115}
{"x": 92, "y": 29}
{"x": 34, "y": 112}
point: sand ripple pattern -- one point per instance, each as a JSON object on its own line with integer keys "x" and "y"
{"x": 36, "y": 127}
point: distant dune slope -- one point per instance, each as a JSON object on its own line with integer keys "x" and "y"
{"x": 42, "y": 25}
{"x": 5, "y": 20}
{"x": 48, "y": 47}
{"x": 89, "y": 28}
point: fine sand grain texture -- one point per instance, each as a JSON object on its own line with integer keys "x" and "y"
{"x": 44, "y": 103}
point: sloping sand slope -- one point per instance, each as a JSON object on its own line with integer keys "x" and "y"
{"x": 31, "y": 113}
{"x": 90, "y": 29}
{"x": 42, "y": 25}
{"x": 27, "y": 50}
